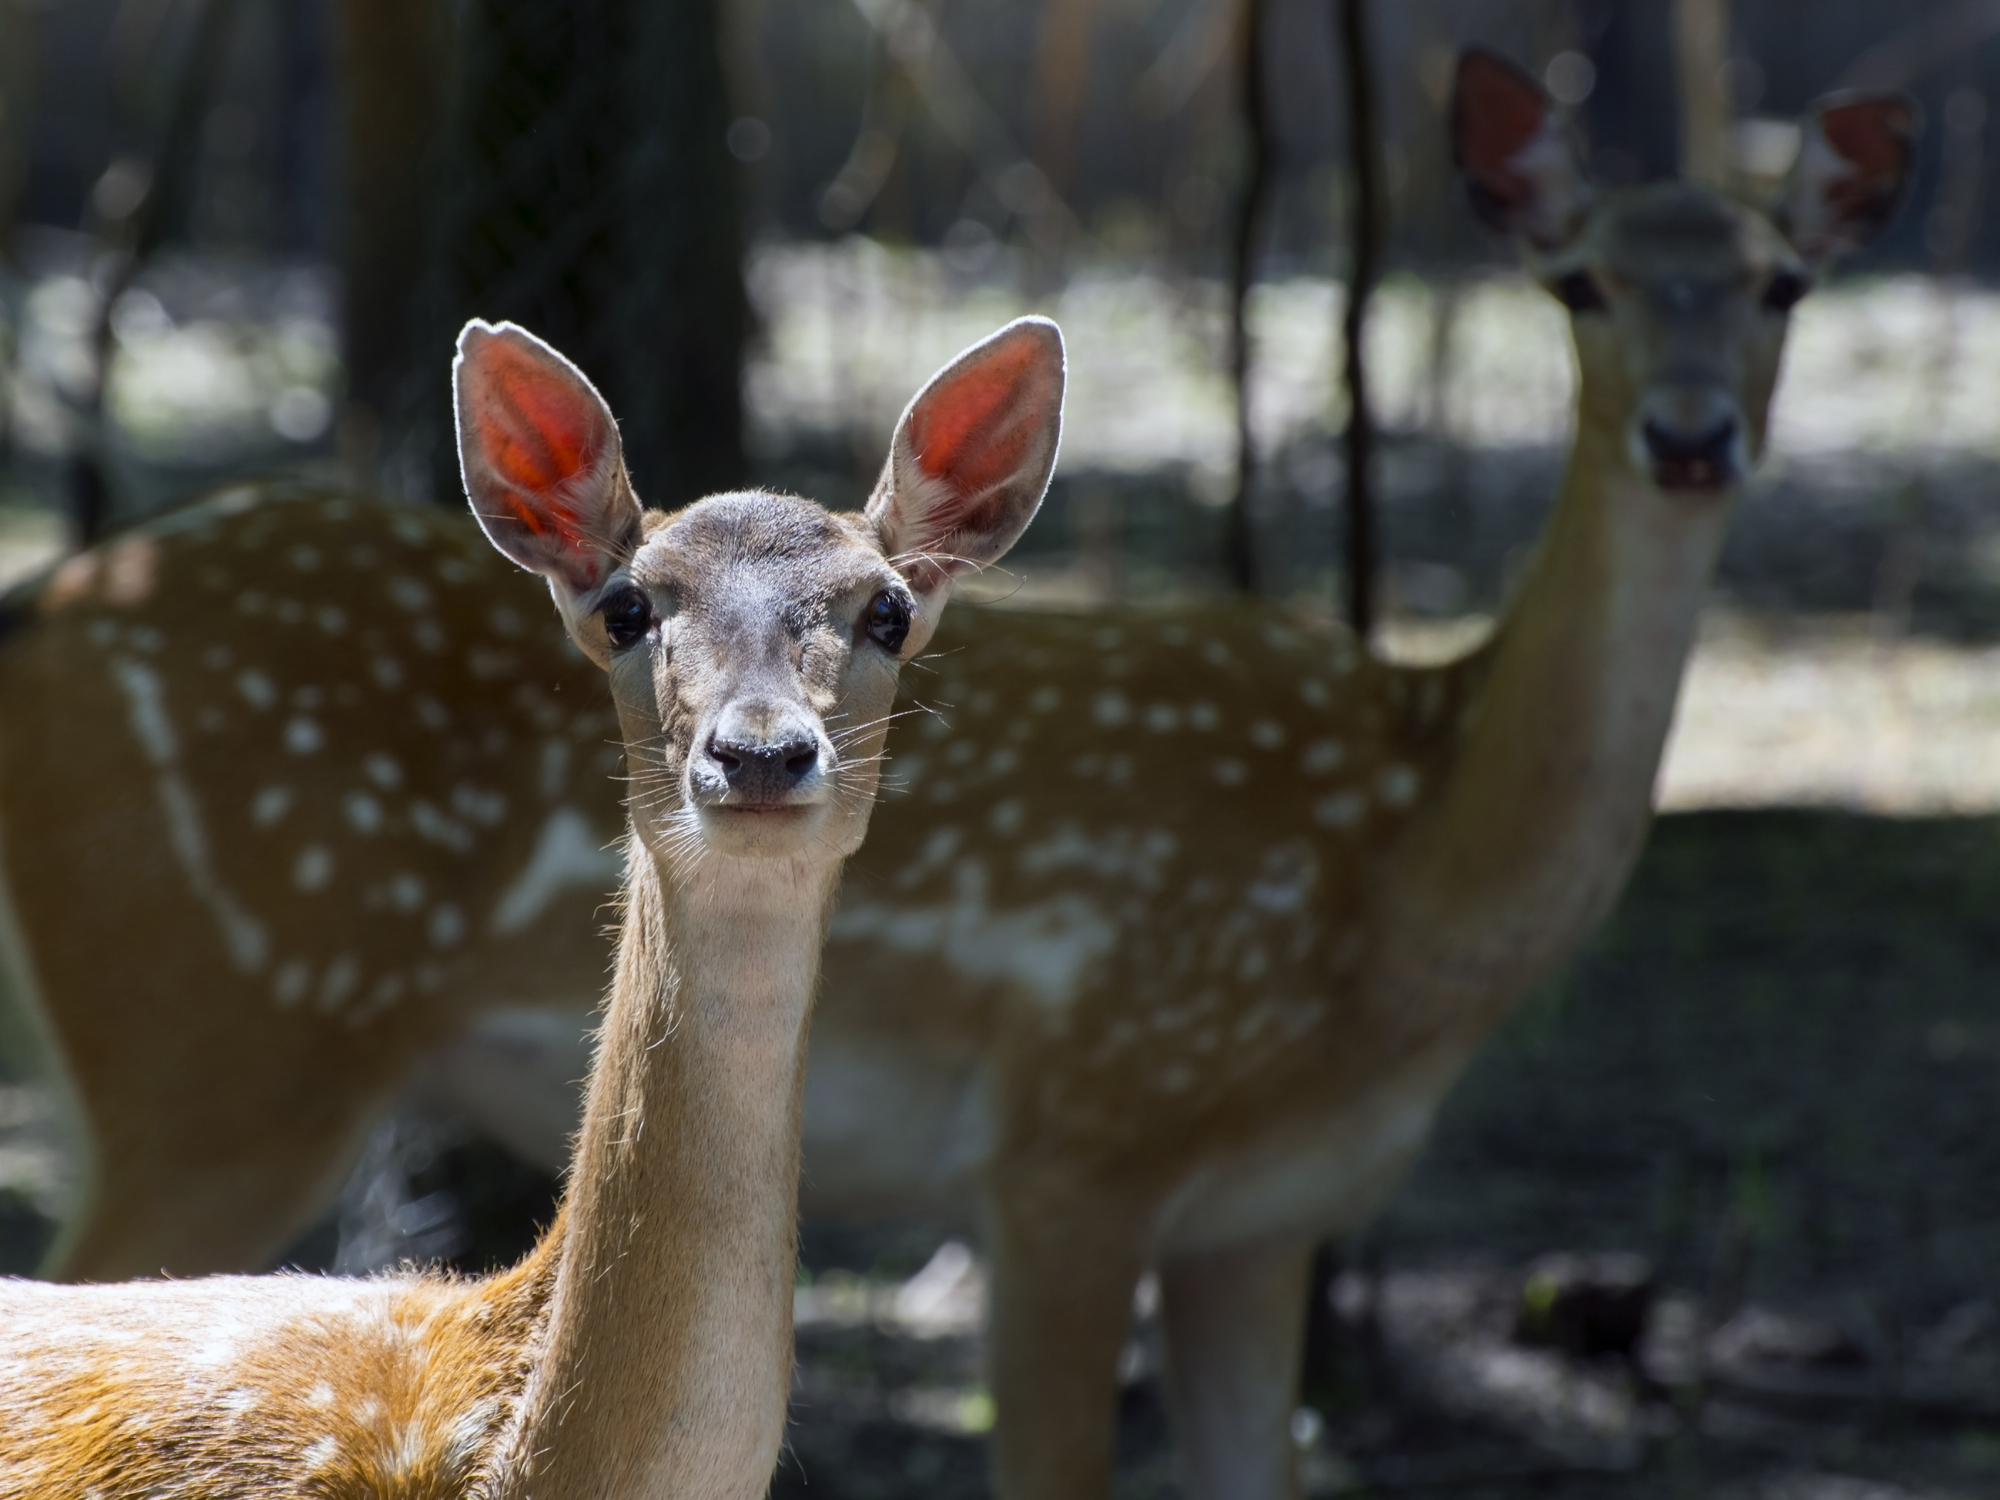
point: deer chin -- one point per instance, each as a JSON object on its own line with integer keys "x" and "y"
{"x": 1696, "y": 477}
{"x": 762, "y": 830}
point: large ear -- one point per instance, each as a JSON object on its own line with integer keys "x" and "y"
{"x": 1520, "y": 167}
{"x": 971, "y": 457}
{"x": 1855, "y": 152}
{"x": 540, "y": 456}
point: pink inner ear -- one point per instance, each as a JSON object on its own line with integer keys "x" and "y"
{"x": 534, "y": 433}
{"x": 1499, "y": 114}
{"x": 1872, "y": 134}
{"x": 975, "y": 432}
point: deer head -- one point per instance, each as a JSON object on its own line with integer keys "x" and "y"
{"x": 1678, "y": 295}
{"x": 753, "y": 641}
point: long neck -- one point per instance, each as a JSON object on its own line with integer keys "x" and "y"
{"x": 1550, "y": 792}
{"x": 667, "y": 1359}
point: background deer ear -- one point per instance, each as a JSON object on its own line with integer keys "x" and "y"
{"x": 540, "y": 456}
{"x": 971, "y": 457}
{"x": 1520, "y": 168}
{"x": 1855, "y": 153}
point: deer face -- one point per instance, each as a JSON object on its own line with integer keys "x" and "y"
{"x": 1678, "y": 295}
{"x": 753, "y": 640}
{"x": 753, "y": 643}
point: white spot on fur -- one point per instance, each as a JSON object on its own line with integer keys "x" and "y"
{"x": 447, "y": 925}
{"x": 341, "y": 976}
{"x": 1322, "y": 756}
{"x": 270, "y": 804}
{"x": 477, "y": 805}
{"x": 1341, "y": 810}
{"x": 1203, "y": 716}
{"x": 1398, "y": 785}
{"x": 1044, "y": 700}
{"x": 409, "y": 594}
{"x": 1163, "y": 718}
{"x": 1046, "y": 949}
{"x": 314, "y": 868}
{"x": 364, "y": 813}
{"x": 555, "y": 768}
{"x": 1230, "y": 772}
{"x": 257, "y": 689}
{"x": 1110, "y": 709}
{"x": 303, "y": 736}
{"x": 383, "y": 771}
{"x": 435, "y": 826}
{"x": 321, "y": 1454}
{"x": 567, "y": 854}
{"x": 1005, "y": 819}
{"x": 146, "y": 702}
{"x": 289, "y": 984}
{"x": 1267, "y": 734}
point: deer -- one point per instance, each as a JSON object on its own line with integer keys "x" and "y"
{"x": 752, "y": 644}
{"x": 1173, "y": 929}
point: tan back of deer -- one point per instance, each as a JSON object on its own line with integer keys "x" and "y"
{"x": 752, "y": 644}
{"x": 1180, "y": 925}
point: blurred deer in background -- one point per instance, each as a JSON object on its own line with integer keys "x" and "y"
{"x": 752, "y": 643}
{"x": 1181, "y": 927}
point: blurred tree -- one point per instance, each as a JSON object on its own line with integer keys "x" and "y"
{"x": 1062, "y": 78}
{"x": 597, "y": 204}
{"x": 1701, "y": 48}
{"x": 17, "y": 91}
{"x": 586, "y": 192}
{"x": 395, "y": 60}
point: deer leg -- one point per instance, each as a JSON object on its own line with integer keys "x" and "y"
{"x": 1061, "y": 1312}
{"x": 1235, "y": 1331}
{"x": 193, "y": 1208}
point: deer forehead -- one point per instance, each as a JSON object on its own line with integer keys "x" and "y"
{"x": 758, "y": 552}
{"x": 1675, "y": 233}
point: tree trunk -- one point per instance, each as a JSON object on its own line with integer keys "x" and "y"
{"x": 1701, "y": 47}
{"x": 395, "y": 61}
{"x": 591, "y": 197}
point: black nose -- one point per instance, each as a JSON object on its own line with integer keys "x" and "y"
{"x": 764, "y": 769}
{"x": 1702, "y": 461}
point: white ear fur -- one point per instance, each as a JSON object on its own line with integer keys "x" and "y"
{"x": 541, "y": 460}
{"x": 972, "y": 456}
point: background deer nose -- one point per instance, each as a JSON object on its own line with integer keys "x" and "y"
{"x": 1699, "y": 460}
{"x": 763, "y": 756}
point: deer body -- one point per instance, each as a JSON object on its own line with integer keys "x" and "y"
{"x": 752, "y": 643}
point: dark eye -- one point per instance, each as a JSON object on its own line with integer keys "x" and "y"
{"x": 1786, "y": 287}
{"x": 628, "y": 615}
{"x": 1577, "y": 291}
{"x": 888, "y": 622}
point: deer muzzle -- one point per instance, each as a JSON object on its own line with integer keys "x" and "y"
{"x": 1691, "y": 439}
{"x": 761, "y": 755}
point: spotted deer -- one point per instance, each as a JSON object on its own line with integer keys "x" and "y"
{"x": 1173, "y": 928}
{"x": 751, "y": 643}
